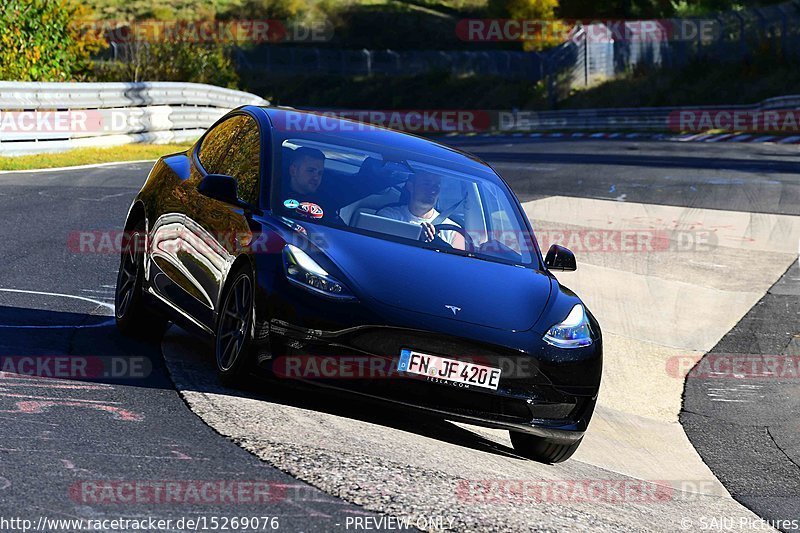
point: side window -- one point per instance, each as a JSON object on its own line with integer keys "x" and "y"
{"x": 233, "y": 148}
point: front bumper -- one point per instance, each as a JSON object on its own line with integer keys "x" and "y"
{"x": 534, "y": 395}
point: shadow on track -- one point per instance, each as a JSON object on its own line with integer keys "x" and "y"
{"x": 64, "y": 345}
{"x": 263, "y": 387}
{"x": 76, "y": 346}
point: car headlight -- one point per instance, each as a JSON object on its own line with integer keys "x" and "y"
{"x": 572, "y": 332}
{"x": 307, "y": 273}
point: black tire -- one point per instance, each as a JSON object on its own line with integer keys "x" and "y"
{"x": 542, "y": 449}
{"x": 233, "y": 335}
{"x": 134, "y": 318}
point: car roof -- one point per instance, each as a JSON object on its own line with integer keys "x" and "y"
{"x": 344, "y": 128}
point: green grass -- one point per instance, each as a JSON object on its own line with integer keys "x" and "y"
{"x": 160, "y": 9}
{"x": 86, "y": 156}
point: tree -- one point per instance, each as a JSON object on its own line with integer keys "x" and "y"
{"x": 583, "y": 9}
{"x": 529, "y": 9}
{"x": 549, "y": 31}
{"x": 45, "y": 40}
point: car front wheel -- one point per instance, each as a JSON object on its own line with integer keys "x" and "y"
{"x": 234, "y": 329}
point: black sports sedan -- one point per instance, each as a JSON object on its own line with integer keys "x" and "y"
{"x": 356, "y": 257}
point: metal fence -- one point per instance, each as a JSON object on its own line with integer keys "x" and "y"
{"x": 268, "y": 60}
{"x": 47, "y": 117}
{"x": 579, "y": 62}
{"x": 727, "y": 37}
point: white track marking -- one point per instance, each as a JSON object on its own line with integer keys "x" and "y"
{"x": 61, "y": 326}
{"x": 77, "y": 167}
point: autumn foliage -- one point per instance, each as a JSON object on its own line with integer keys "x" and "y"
{"x": 42, "y": 40}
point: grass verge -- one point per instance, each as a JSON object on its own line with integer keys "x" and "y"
{"x": 88, "y": 156}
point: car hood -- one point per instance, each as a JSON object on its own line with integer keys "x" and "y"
{"x": 426, "y": 281}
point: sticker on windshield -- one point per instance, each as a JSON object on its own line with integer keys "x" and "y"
{"x": 310, "y": 209}
{"x": 291, "y": 204}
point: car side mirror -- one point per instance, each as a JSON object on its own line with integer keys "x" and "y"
{"x": 220, "y": 187}
{"x": 560, "y": 258}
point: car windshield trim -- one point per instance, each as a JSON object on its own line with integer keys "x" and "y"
{"x": 478, "y": 176}
{"x": 448, "y": 159}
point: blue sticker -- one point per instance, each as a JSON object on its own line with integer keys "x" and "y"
{"x": 291, "y": 204}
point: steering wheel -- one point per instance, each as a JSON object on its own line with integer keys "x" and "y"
{"x": 470, "y": 246}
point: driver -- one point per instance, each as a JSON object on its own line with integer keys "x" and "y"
{"x": 305, "y": 171}
{"x": 305, "y": 174}
{"x": 423, "y": 192}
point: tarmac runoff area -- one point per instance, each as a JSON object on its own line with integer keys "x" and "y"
{"x": 661, "y": 308}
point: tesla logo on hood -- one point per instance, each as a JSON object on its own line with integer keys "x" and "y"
{"x": 453, "y": 308}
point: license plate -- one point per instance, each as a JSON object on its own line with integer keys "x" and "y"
{"x": 440, "y": 369}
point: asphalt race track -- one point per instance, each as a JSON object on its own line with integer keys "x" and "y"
{"x": 63, "y": 438}
{"x": 713, "y": 269}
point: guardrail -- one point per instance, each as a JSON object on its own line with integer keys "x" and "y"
{"x": 773, "y": 115}
{"x": 645, "y": 119}
{"x": 49, "y": 117}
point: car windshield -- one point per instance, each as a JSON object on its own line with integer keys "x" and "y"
{"x": 404, "y": 196}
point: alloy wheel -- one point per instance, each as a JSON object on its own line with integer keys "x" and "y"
{"x": 128, "y": 274}
{"x": 234, "y": 322}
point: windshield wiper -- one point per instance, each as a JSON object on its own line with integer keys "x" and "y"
{"x": 473, "y": 255}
